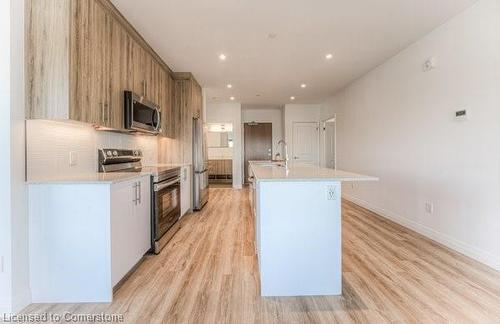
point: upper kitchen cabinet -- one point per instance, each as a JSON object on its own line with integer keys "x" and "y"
{"x": 81, "y": 56}
{"x": 187, "y": 105}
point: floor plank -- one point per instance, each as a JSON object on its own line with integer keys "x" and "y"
{"x": 208, "y": 274}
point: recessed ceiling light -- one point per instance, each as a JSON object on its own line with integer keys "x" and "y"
{"x": 292, "y": 98}
{"x": 329, "y": 56}
{"x": 303, "y": 85}
{"x": 222, "y": 57}
{"x": 229, "y": 86}
{"x": 232, "y": 98}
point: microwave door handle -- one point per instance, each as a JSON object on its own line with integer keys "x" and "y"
{"x": 158, "y": 125}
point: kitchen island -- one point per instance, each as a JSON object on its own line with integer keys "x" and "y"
{"x": 298, "y": 227}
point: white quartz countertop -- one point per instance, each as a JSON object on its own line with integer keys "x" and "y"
{"x": 89, "y": 178}
{"x": 99, "y": 178}
{"x": 263, "y": 171}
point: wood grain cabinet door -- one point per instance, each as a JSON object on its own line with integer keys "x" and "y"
{"x": 81, "y": 61}
{"x": 162, "y": 101}
{"x": 97, "y": 64}
{"x": 119, "y": 78}
{"x": 175, "y": 113}
{"x": 138, "y": 64}
{"x": 196, "y": 100}
{"x": 90, "y": 63}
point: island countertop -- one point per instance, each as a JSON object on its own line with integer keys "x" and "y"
{"x": 267, "y": 171}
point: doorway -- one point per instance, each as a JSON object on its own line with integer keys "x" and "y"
{"x": 220, "y": 142}
{"x": 306, "y": 142}
{"x": 258, "y": 143}
{"x": 329, "y": 137}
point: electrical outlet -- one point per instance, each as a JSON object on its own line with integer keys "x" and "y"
{"x": 1, "y": 264}
{"x": 429, "y": 207}
{"x": 73, "y": 158}
{"x": 429, "y": 64}
{"x": 331, "y": 193}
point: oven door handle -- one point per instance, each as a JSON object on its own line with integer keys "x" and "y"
{"x": 158, "y": 187}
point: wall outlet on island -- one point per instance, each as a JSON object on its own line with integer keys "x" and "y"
{"x": 73, "y": 158}
{"x": 331, "y": 193}
{"x": 429, "y": 207}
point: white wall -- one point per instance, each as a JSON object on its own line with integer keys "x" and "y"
{"x": 299, "y": 113}
{"x": 14, "y": 275}
{"x": 21, "y": 295}
{"x": 397, "y": 123}
{"x": 49, "y": 144}
{"x": 230, "y": 113}
{"x": 5, "y": 214}
{"x": 267, "y": 115}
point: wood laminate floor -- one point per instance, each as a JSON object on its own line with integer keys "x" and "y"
{"x": 208, "y": 274}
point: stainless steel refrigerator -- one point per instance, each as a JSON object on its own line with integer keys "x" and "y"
{"x": 200, "y": 164}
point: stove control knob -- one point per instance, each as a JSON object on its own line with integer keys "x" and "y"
{"x": 115, "y": 153}
{"x": 109, "y": 153}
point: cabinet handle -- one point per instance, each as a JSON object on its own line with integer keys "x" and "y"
{"x": 101, "y": 105}
{"x": 135, "y": 193}
{"x": 143, "y": 88}
{"x": 108, "y": 110}
{"x": 140, "y": 194}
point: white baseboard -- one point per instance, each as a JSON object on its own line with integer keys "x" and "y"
{"x": 21, "y": 304}
{"x": 444, "y": 239}
{"x": 5, "y": 310}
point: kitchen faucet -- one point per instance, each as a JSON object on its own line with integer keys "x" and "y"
{"x": 285, "y": 145}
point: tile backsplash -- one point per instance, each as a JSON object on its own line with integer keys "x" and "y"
{"x": 49, "y": 143}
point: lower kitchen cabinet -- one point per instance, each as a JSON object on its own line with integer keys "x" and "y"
{"x": 186, "y": 198}
{"x": 130, "y": 225}
{"x": 86, "y": 236}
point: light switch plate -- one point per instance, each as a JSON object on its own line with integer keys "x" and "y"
{"x": 429, "y": 207}
{"x": 73, "y": 158}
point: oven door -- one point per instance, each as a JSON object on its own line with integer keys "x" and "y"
{"x": 167, "y": 206}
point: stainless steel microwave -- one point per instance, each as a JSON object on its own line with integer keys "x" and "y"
{"x": 140, "y": 114}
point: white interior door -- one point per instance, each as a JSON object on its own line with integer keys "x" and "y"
{"x": 306, "y": 142}
{"x": 330, "y": 161}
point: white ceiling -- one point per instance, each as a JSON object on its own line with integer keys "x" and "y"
{"x": 189, "y": 35}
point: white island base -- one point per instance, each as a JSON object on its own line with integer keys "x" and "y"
{"x": 299, "y": 228}
{"x": 300, "y": 241}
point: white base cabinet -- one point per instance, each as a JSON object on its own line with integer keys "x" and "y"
{"x": 298, "y": 237}
{"x": 85, "y": 237}
{"x": 130, "y": 225}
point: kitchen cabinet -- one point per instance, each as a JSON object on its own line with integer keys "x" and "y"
{"x": 220, "y": 170}
{"x": 188, "y": 103}
{"x": 168, "y": 115}
{"x": 130, "y": 225}
{"x": 186, "y": 197}
{"x": 81, "y": 56}
{"x": 86, "y": 236}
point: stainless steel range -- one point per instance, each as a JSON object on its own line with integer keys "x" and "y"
{"x": 165, "y": 191}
